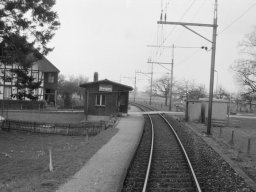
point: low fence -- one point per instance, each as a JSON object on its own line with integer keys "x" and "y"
{"x": 21, "y": 104}
{"x": 243, "y": 141}
{"x": 225, "y": 122}
{"x": 87, "y": 128}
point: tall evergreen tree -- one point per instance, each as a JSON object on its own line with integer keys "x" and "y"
{"x": 26, "y": 27}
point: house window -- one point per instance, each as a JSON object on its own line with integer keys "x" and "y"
{"x": 35, "y": 76}
{"x": 100, "y": 100}
{"x": 50, "y": 77}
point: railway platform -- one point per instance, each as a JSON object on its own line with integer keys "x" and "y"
{"x": 106, "y": 170}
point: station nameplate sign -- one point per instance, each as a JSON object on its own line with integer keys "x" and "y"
{"x": 106, "y": 88}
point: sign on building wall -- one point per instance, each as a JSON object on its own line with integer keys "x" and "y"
{"x": 105, "y": 88}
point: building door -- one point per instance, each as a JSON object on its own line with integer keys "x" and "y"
{"x": 123, "y": 103}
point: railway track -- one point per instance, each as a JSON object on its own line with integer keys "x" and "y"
{"x": 160, "y": 163}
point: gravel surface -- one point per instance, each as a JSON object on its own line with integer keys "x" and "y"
{"x": 169, "y": 170}
{"x": 213, "y": 173}
{"x": 137, "y": 171}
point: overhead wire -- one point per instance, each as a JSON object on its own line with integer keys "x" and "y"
{"x": 198, "y": 10}
{"x": 189, "y": 57}
{"x": 164, "y": 67}
{"x": 238, "y": 18}
{"x": 161, "y": 39}
{"x": 159, "y": 50}
{"x": 193, "y": 17}
{"x": 167, "y": 4}
{"x": 182, "y": 17}
{"x": 160, "y": 35}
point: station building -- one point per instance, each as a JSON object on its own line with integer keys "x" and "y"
{"x": 105, "y": 97}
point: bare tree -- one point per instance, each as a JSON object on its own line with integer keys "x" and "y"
{"x": 189, "y": 90}
{"x": 249, "y": 98}
{"x": 69, "y": 86}
{"x": 222, "y": 93}
{"x": 245, "y": 67}
{"x": 161, "y": 87}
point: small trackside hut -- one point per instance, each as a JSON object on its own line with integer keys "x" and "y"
{"x": 105, "y": 97}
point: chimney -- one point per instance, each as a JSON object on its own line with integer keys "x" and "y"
{"x": 95, "y": 77}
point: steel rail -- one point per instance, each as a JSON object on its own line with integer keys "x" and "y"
{"x": 150, "y": 156}
{"x": 198, "y": 188}
{"x": 151, "y": 148}
{"x": 186, "y": 156}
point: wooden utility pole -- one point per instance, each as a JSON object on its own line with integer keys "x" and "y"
{"x": 151, "y": 85}
{"x": 213, "y": 41}
{"x": 135, "y": 81}
{"x": 172, "y": 63}
{"x": 214, "y": 36}
{"x": 171, "y": 86}
{"x": 134, "y": 87}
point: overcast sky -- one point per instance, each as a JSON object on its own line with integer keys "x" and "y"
{"x": 111, "y": 37}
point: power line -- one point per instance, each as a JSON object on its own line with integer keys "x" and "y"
{"x": 184, "y": 14}
{"x": 198, "y": 10}
{"x": 161, "y": 40}
{"x": 189, "y": 57}
{"x": 187, "y": 10}
{"x": 182, "y": 17}
{"x": 192, "y": 18}
{"x": 238, "y": 18}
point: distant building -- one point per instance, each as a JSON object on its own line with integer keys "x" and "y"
{"x": 197, "y": 110}
{"x": 105, "y": 97}
{"x": 42, "y": 70}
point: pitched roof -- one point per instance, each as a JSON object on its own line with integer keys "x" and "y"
{"x": 86, "y": 85}
{"x": 46, "y": 66}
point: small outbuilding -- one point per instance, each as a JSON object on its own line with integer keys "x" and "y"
{"x": 105, "y": 97}
{"x": 198, "y": 110}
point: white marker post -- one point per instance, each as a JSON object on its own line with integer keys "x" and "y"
{"x": 50, "y": 162}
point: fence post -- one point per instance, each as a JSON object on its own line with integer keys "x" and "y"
{"x": 68, "y": 128}
{"x": 102, "y": 127}
{"x": 249, "y": 146}
{"x": 231, "y": 142}
{"x": 220, "y": 132}
{"x": 87, "y": 136}
{"x": 9, "y": 125}
{"x": 50, "y": 160}
{"x": 34, "y": 124}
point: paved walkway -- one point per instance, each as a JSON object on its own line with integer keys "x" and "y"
{"x": 106, "y": 170}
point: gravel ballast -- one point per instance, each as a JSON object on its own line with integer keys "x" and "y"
{"x": 213, "y": 172}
